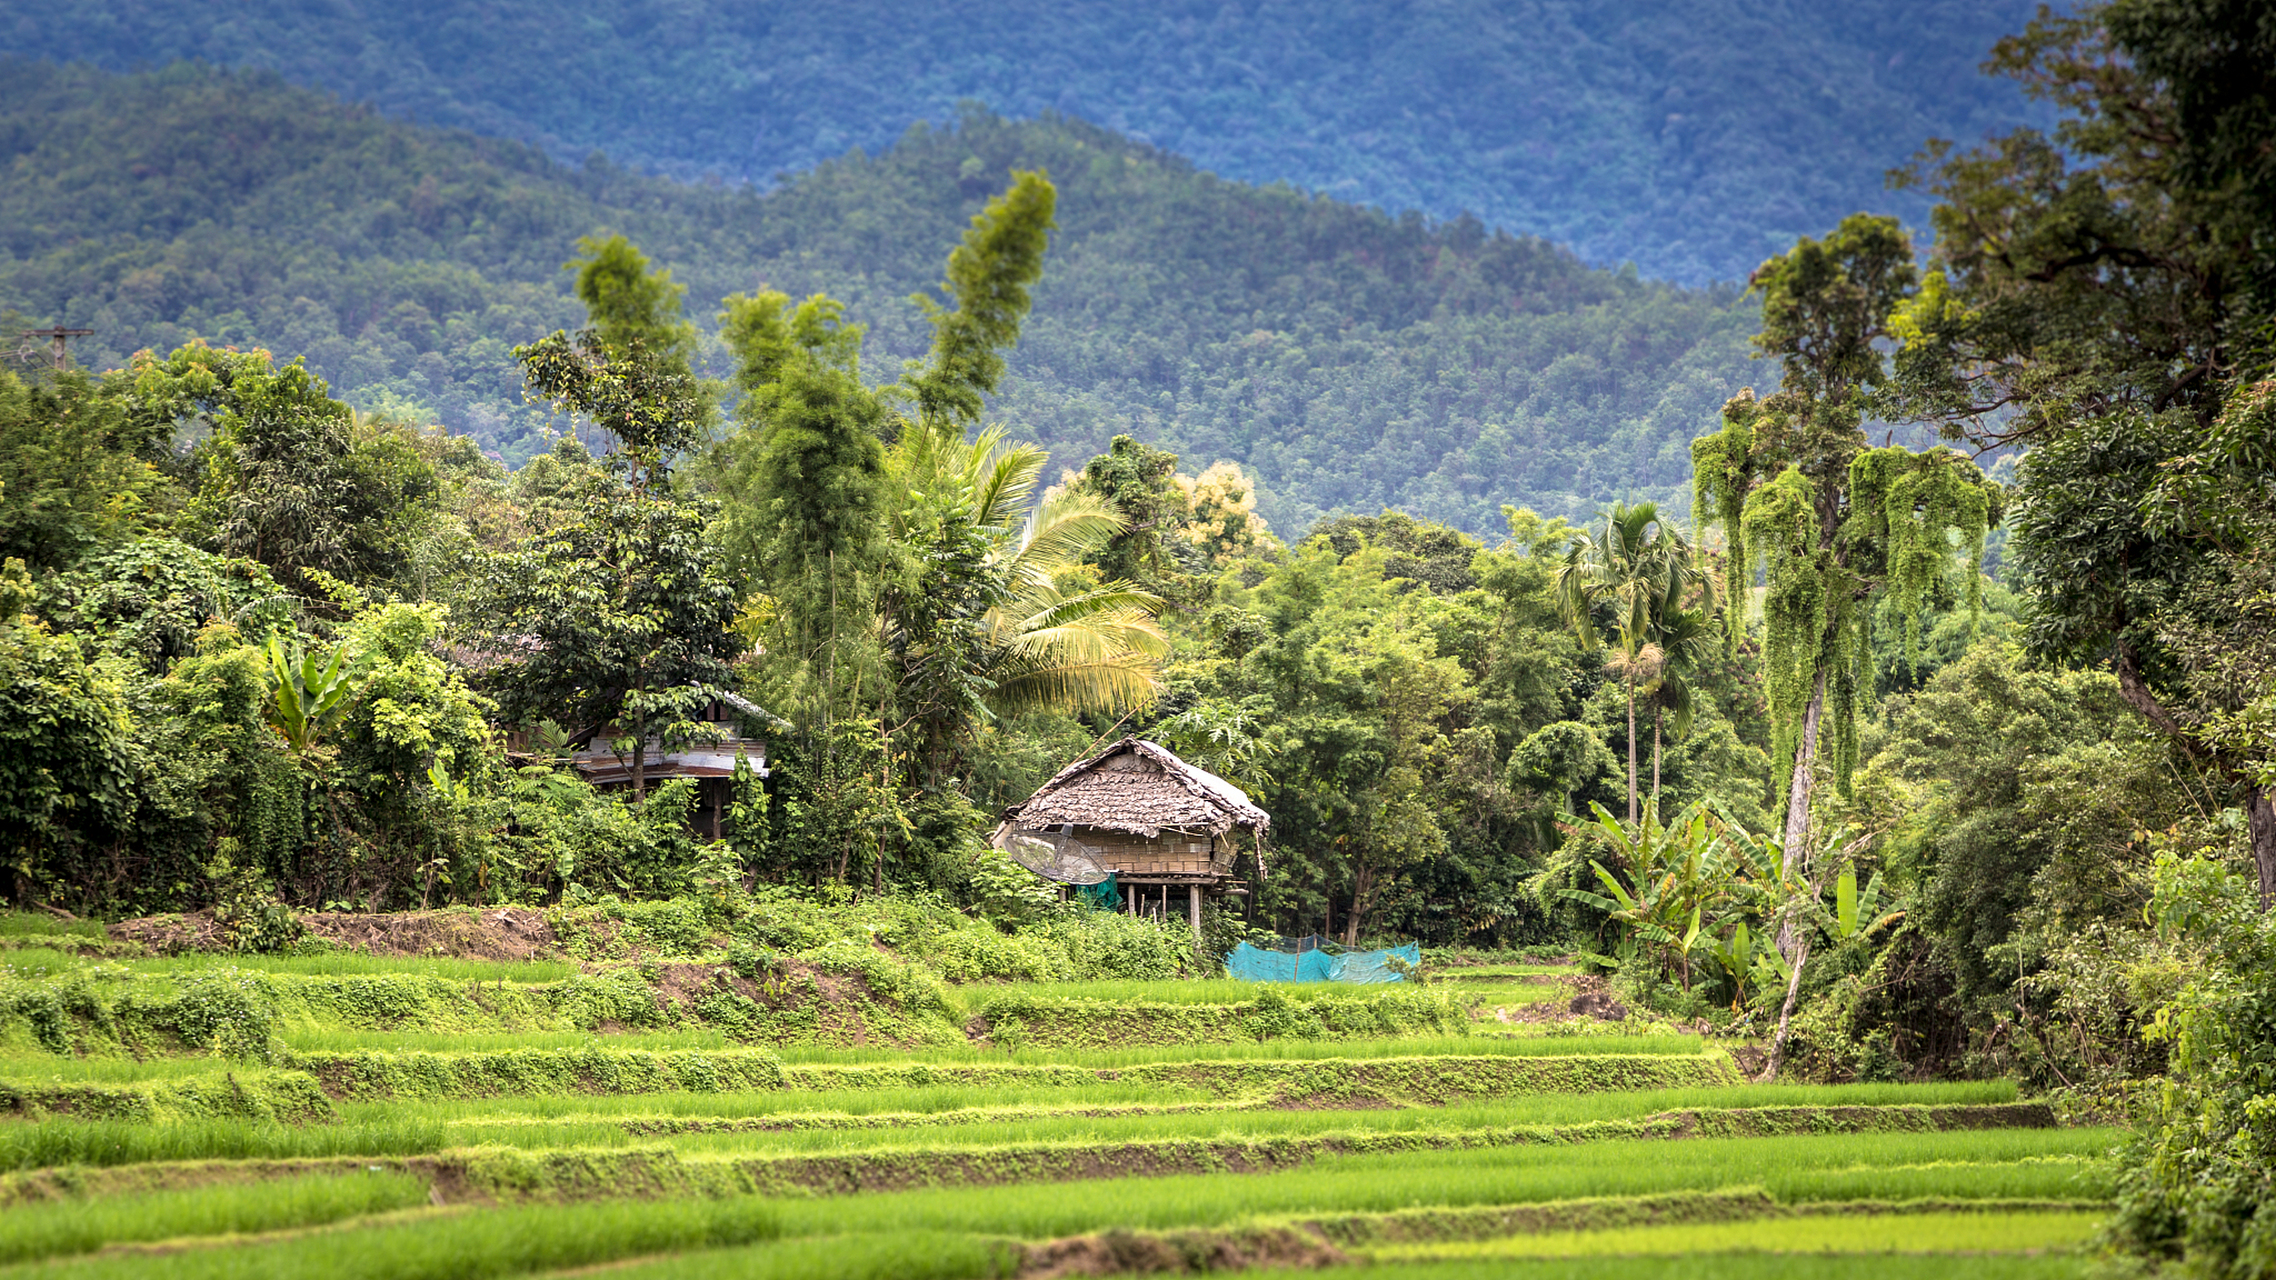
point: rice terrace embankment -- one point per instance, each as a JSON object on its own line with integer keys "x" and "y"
{"x": 795, "y": 1089}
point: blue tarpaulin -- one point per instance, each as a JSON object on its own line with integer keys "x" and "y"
{"x": 1305, "y": 960}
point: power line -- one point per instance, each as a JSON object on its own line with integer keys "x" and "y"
{"x": 56, "y": 336}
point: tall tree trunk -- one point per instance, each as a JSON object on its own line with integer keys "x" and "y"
{"x": 1361, "y": 883}
{"x": 2260, "y": 809}
{"x": 1655, "y": 760}
{"x": 1631, "y": 751}
{"x": 1798, "y": 801}
{"x": 1785, "y": 1015}
{"x": 639, "y": 765}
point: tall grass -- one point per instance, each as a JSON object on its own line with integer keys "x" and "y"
{"x": 967, "y": 1117}
{"x": 850, "y": 1103}
{"x": 1728, "y": 1266}
{"x": 57, "y": 1228}
{"x": 37, "y": 964}
{"x": 1974, "y": 1165}
{"x": 1270, "y": 1050}
{"x": 53, "y": 1143}
{"x": 324, "y": 1039}
{"x": 1256, "y": 1124}
{"x": 1163, "y": 991}
{"x": 1964, "y": 1232}
{"x": 39, "y": 924}
{"x": 51, "y": 1068}
{"x": 883, "y": 1234}
{"x": 472, "y": 1246}
{"x": 334, "y": 964}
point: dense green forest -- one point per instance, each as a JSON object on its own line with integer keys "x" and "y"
{"x": 1795, "y": 769}
{"x": 1350, "y": 360}
{"x": 1692, "y": 138}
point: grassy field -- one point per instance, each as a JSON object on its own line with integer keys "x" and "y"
{"x": 346, "y": 1115}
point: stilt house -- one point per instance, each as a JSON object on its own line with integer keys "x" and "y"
{"x": 1159, "y": 824}
{"x": 709, "y": 760}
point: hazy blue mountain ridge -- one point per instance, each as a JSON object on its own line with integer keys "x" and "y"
{"x": 1351, "y": 359}
{"x": 1693, "y": 137}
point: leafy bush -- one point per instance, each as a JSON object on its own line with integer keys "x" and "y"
{"x": 2200, "y": 1186}
{"x": 1103, "y": 944}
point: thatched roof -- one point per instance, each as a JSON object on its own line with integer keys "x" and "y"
{"x": 1139, "y": 787}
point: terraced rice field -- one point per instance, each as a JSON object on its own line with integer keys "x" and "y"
{"x": 401, "y": 1119}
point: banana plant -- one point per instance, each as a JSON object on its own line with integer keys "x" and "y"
{"x": 1853, "y": 912}
{"x": 1735, "y": 956}
{"x": 309, "y": 692}
{"x": 1676, "y": 871}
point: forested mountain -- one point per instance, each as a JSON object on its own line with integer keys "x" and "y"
{"x": 1351, "y": 359}
{"x": 1694, "y": 137}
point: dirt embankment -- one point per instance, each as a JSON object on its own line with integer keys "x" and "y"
{"x": 494, "y": 933}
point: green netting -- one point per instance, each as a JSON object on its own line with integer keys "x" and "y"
{"x": 1315, "y": 960}
{"x": 1103, "y": 896}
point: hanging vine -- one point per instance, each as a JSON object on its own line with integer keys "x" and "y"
{"x": 1722, "y": 473}
{"x": 1907, "y": 515}
{"x": 1779, "y": 526}
{"x": 1907, "y": 511}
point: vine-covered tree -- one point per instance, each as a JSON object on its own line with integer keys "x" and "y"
{"x": 1835, "y": 525}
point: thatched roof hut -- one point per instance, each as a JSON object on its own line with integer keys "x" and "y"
{"x": 1154, "y": 818}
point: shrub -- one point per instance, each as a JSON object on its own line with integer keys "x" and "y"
{"x": 2200, "y": 1186}
{"x": 1102, "y": 945}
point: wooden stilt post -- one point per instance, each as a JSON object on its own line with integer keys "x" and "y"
{"x": 1193, "y": 914}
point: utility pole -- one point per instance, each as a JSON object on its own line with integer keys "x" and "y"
{"x": 56, "y": 336}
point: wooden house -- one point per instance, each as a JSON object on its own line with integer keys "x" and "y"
{"x": 1159, "y": 824}
{"x": 708, "y": 759}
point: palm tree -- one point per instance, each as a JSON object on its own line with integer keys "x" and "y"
{"x": 1635, "y": 572}
{"x": 1041, "y": 641}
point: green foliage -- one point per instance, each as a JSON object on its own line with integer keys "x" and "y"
{"x": 66, "y": 774}
{"x": 503, "y": 1242}
{"x": 2196, "y": 1188}
{"x": 310, "y": 692}
{"x": 1837, "y": 527}
{"x": 77, "y": 469}
{"x": 98, "y": 1143}
{"x": 148, "y": 599}
{"x": 630, "y": 373}
{"x": 1639, "y": 579}
{"x": 989, "y": 277}
{"x": 1911, "y": 508}
{"x": 2018, "y": 801}
{"x": 610, "y": 619}
{"x": 286, "y": 477}
{"x": 1007, "y": 893}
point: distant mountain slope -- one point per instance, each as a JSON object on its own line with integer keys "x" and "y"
{"x": 1694, "y": 137}
{"x": 1353, "y": 360}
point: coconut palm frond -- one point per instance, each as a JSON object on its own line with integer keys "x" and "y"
{"x": 1095, "y": 638}
{"x": 1061, "y": 532}
{"x": 1002, "y": 478}
{"x": 1042, "y": 605}
{"x": 1111, "y": 684}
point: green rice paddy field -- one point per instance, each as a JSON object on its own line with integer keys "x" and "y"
{"x": 419, "y": 1119}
